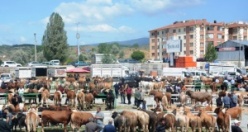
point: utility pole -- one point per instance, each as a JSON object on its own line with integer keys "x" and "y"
{"x": 239, "y": 39}
{"x": 35, "y": 51}
{"x": 78, "y": 36}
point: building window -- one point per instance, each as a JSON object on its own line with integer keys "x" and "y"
{"x": 202, "y": 28}
{"x": 174, "y": 30}
{"x": 179, "y": 30}
{"x": 202, "y": 44}
{"x": 184, "y": 44}
{"x": 202, "y": 37}
{"x": 191, "y": 52}
{"x": 153, "y": 47}
{"x": 153, "y": 54}
{"x": 191, "y": 36}
{"x": 184, "y": 29}
{"x": 191, "y": 44}
{"x": 184, "y": 52}
{"x": 153, "y": 40}
{"x": 179, "y": 37}
{"x": 191, "y": 29}
{"x": 210, "y": 35}
{"x": 202, "y": 52}
{"x": 184, "y": 36}
{"x": 219, "y": 28}
{"x": 210, "y": 28}
{"x": 219, "y": 36}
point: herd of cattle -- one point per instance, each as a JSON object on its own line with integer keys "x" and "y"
{"x": 81, "y": 93}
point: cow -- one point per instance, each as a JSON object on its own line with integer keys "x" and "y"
{"x": 32, "y": 120}
{"x": 170, "y": 120}
{"x": 153, "y": 118}
{"x": 79, "y": 118}
{"x": 143, "y": 120}
{"x": 132, "y": 120}
{"x": 71, "y": 96}
{"x": 194, "y": 121}
{"x": 81, "y": 100}
{"x": 57, "y": 97}
{"x": 89, "y": 98}
{"x": 19, "y": 120}
{"x": 208, "y": 121}
{"x": 235, "y": 112}
{"x": 63, "y": 116}
{"x": 182, "y": 121}
{"x": 120, "y": 122}
{"x": 200, "y": 96}
{"x": 44, "y": 94}
{"x": 223, "y": 120}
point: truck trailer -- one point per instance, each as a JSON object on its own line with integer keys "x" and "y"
{"x": 109, "y": 70}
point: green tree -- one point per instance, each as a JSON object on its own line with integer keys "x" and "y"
{"x": 136, "y": 46}
{"x": 211, "y": 53}
{"x": 107, "y": 59}
{"x": 21, "y": 56}
{"x": 104, "y": 48}
{"x": 82, "y": 57}
{"x": 115, "y": 49}
{"x": 121, "y": 54}
{"x": 138, "y": 55}
{"x": 54, "y": 40}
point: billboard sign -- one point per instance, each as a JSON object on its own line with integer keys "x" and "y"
{"x": 227, "y": 49}
{"x": 173, "y": 46}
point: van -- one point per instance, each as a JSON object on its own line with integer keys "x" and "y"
{"x": 197, "y": 74}
{"x": 54, "y": 62}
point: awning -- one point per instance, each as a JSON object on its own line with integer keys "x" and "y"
{"x": 78, "y": 70}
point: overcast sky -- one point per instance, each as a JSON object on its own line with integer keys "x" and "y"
{"x": 108, "y": 20}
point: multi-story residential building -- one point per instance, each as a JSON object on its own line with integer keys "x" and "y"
{"x": 195, "y": 36}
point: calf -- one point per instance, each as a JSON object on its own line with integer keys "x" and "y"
{"x": 208, "y": 121}
{"x": 223, "y": 120}
{"x": 120, "y": 122}
{"x": 63, "y": 116}
{"x": 32, "y": 120}
{"x": 79, "y": 118}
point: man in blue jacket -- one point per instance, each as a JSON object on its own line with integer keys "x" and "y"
{"x": 109, "y": 127}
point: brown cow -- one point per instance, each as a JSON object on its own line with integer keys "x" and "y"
{"x": 89, "y": 98}
{"x": 143, "y": 119}
{"x": 170, "y": 120}
{"x": 44, "y": 94}
{"x": 223, "y": 120}
{"x": 194, "y": 121}
{"x": 200, "y": 96}
{"x": 81, "y": 100}
{"x": 132, "y": 120}
{"x": 63, "y": 116}
{"x": 57, "y": 97}
{"x": 208, "y": 121}
{"x": 79, "y": 118}
{"x": 71, "y": 96}
{"x": 235, "y": 112}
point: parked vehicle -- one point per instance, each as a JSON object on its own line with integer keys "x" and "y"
{"x": 6, "y": 77}
{"x": 23, "y": 72}
{"x": 34, "y": 63}
{"x": 54, "y": 62}
{"x": 56, "y": 71}
{"x": 79, "y": 63}
{"x": 10, "y": 64}
{"x": 109, "y": 70}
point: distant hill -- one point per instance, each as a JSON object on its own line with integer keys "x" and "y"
{"x": 140, "y": 41}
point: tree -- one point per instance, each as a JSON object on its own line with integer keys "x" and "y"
{"x": 211, "y": 53}
{"x": 82, "y": 57}
{"x": 138, "y": 55}
{"x": 21, "y": 56}
{"x": 104, "y": 48}
{"x": 115, "y": 49}
{"x": 54, "y": 40}
{"x": 107, "y": 59}
{"x": 136, "y": 46}
{"x": 121, "y": 54}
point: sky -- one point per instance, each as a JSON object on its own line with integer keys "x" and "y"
{"x": 100, "y": 21}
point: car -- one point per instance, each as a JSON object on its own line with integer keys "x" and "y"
{"x": 6, "y": 77}
{"x": 79, "y": 63}
{"x": 10, "y": 64}
{"x": 45, "y": 63}
{"x": 34, "y": 63}
{"x": 54, "y": 62}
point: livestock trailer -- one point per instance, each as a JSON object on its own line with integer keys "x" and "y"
{"x": 39, "y": 71}
{"x": 56, "y": 71}
{"x": 23, "y": 72}
{"x": 109, "y": 70}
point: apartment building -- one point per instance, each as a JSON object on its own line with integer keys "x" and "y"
{"x": 195, "y": 36}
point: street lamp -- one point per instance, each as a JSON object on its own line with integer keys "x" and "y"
{"x": 35, "y": 52}
{"x": 78, "y": 36}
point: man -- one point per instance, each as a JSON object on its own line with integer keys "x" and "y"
{"x": 234, "y": 99}
{"x": 137, "y": 97}
{"x": 226, "y": 101}
{"x": 9, "y": 118}
{"x": 109, "y": 127}
{"x": 14, "y": 100}
{"x": 235, "y": 127}
{"x": 91, "y": 126}
{"x": 99, "y": 118}
{"x": 4, "y": 126}
{"x": 117, "y": 87}
{"x": 219, "y": 102}
{"x": 123, "y": 94}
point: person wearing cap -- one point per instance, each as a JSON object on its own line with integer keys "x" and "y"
{"x": 91, "y": 126}
{"x": 109, "y": 127}
{"x": 235, "y": 127}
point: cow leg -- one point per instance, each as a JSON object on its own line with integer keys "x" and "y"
{"x": 65, "y": 124}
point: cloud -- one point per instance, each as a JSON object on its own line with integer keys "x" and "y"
{"x": 91, "y": 11}
{"x": 101, "y": 28}
{"x": 157, "y": 6}
{"x": 23, "y": 39}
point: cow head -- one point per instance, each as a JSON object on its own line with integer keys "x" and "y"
{"x": 114, "y": 114}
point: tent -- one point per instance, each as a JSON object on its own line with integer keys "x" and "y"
{"x": 77, "y": 70}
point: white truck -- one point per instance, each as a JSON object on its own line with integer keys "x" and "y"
{"x": 109, "y": 70}
{"x": 223, "y": 68}
{"x": 56, "y": 71}
{"x": 178, "y": 72}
